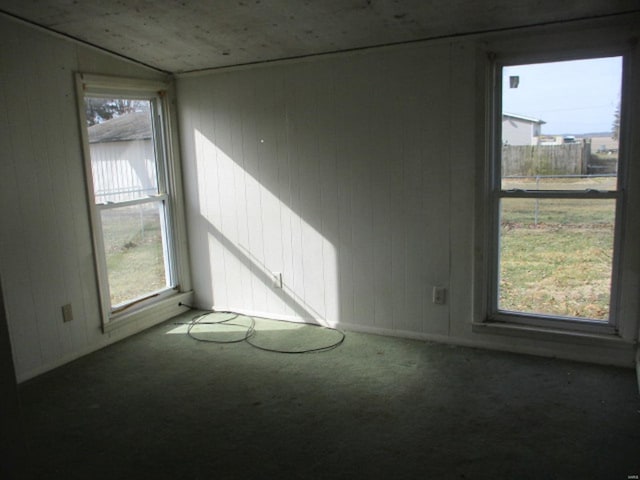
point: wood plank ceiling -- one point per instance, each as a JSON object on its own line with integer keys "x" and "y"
{"x": 187, "y": 35}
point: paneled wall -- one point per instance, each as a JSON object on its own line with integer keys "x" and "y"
{"x": 45, "y": 240}
{"x": 358, "y": 177}
{"x": 334, "y": 173}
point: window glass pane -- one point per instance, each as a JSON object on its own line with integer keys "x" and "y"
{"x": 122, "y": 149}
{"x": 556, "y": 256}
{"x": 561, "y": 119}
{"x": 135, "y": 250}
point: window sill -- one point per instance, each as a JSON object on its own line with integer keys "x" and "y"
{"x": 549, "y": 334}
{"x": 152, "y": 314}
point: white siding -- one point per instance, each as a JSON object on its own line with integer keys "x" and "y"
{"x": 123, "y": 171}
{"x": 517, "y": 132}
{"x": 45, "y": 241}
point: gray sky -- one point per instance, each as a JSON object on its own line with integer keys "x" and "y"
{"x": 577, "y": 96}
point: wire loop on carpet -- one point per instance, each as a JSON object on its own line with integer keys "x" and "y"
{"x": 250, "y": 331}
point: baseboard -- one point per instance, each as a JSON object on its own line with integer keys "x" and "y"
{"x": 273, "y": 316}
{"x": 617, "y": 356}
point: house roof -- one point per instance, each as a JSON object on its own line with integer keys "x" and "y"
{"x": 132, "y": 126}
{"x": 522, "y": 117}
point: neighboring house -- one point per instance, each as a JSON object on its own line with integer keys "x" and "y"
{"x": 520, "y": 130}
{"x": 601, "y": 142}
{"x": 122, "y": 160}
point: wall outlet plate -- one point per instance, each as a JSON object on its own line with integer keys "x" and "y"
{"x": 67, "y": 313}
{"x": 439, "y": 295}
{"x": 277, "y": 279}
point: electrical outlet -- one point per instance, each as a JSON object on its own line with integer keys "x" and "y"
{"x": 67, "y": 313}
{"x": 277, "y": 279}
{"x": 439, "y": 295}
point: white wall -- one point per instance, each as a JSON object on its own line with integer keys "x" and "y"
{"x": 356, "y": 176}
{"x": 335, "y": 173}
{"x": 45, "y": 241}
{"x": 516, "y": 131}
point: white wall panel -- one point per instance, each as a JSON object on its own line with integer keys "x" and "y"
{"x": 341, "y": 178}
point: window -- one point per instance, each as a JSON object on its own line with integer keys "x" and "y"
{"x": 128, "y": 170}
{"x": 556, "y": 193}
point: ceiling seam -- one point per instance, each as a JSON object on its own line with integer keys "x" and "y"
{"x": 409, "y": 42}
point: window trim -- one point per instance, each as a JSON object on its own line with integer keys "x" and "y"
{"x": 494, "y": 194}
{"x": 170, "y": 193}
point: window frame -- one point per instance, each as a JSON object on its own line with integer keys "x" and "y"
{"x": 495, "y": 194}
{"x": 169, "y": 193}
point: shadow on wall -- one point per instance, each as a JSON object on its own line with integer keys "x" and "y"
{"x": 249, "y": 235}
{"x": 264, "y": 275}
{"x": 331, "y": 183}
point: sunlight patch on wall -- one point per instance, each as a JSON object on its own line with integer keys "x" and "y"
{"x": 255, "y": 236}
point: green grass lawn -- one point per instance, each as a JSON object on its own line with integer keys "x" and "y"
{"x": 566, "y": 272}
{"x": 556, "y": 254}
{"x": 134, "y": 251}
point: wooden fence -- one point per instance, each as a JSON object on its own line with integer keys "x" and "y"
{"x": 531, "y": 160}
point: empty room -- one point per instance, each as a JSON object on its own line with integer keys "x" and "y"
{"x": 303, "y": 239}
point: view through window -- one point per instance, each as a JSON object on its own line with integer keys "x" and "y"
{"x": 130, "y": 197}
{"x": 558, "y": 188}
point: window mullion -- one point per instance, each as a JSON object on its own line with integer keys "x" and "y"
{"x": 559, "y": 194}
{"x": 129, "y": 203}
